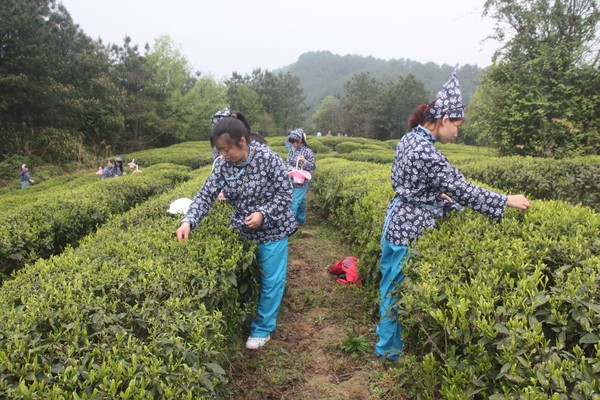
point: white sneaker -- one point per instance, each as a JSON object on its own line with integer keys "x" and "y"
{"x": 254, "y": 343}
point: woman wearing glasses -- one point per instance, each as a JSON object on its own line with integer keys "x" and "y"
{"x": 254, "y": 180}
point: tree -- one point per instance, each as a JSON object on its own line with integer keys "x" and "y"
{"x": 281, "y": 97}
{"x": 132, "y": 75}
{"x": 359, "y": 105}
{"x": 398, "y": 100}
{"x": 544, "y": 80}
{"x": 328, "y": 117}
{"x": 53, "y": 79}
{"x": 170, "y": 80}
{"x": 243, "y": 98}
{"x": 195, "y": 109}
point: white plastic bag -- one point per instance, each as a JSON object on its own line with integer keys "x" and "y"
{"x": 179, "y": 206}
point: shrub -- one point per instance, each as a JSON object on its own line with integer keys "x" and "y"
{"x": 575, "y": 180}
{"x": 130, "y": 313}
{"x": 490, "y": 310}
{"x": 46, "y": 223}
{"x": 347, "y": 147}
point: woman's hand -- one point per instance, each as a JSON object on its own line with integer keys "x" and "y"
{"x": 183, "y": 232}
{"x": 254, "y": 220}
{"x": 444, "y": 196}
{"x": 301, "y": 158}
{"x": 518, "y": 201}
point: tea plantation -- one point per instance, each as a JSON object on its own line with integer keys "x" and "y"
{"x": 100, "y": 301}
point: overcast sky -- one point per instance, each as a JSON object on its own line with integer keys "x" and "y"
{"x": 219, "y": 37}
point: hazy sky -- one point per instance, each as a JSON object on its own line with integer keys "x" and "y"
{"x": 219, "y": 37}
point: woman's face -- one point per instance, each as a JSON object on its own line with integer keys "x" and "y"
{"x": 448, "y": 130}
{"x": 295, "y": 143}
{"x": 232, "y": 153}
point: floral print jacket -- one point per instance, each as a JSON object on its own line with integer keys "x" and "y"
{"x": 420, "y": 174}
{"x": 308, "y": 165}
{"x": 261, "y": 184}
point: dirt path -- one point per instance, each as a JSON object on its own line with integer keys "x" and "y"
{"x": 322, "y": 347}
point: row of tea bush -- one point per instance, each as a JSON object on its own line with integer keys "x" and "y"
{"x": 47, "y": 222}
{"x": 491, "y": 310}
{"x": 131, "y": 312}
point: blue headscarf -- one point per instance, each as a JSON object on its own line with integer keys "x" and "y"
{"x": 219, "y": 115}
{"x": 297, "y": 134}
{"x": 448, "y": 101}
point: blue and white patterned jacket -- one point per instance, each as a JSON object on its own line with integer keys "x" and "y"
{"x": 262, "y": 185}
{"x": 109, "y": 172}
{"x": 420, "y": 174}
{"x": 308, "y": 165}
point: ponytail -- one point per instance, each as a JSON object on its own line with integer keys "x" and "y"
{"x": 258, "y": 137}
{"x": 420, "y": 115}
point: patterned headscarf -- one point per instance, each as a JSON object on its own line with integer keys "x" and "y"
{"x": 219, "y": 115}
{"x": 297, "y": 134}
{"x": 448, "y": 101}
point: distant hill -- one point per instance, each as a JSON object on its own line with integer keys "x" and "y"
{"x": 323, "y": 73}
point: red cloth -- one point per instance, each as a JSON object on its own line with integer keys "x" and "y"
{"x": 346, "y": 269}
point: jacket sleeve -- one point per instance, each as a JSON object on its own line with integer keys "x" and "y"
{"x": 203, "y": 201}
{"x": 309, "y": 163}
{"x": 283, "y": 190}
{"x": 451, "y": 181}
{"x": 290, "y": 161}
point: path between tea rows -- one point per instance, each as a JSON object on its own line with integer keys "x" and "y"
{"x": 305, "y": 358}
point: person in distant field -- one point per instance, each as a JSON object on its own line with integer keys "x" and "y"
{"x": 109, "y": 170}
{"x": 300, "y": 154}
{"x": 319, "y": 134}
{"x": 255, "y": 182}
{"x": 427, "y": 187}
{"x": 119, "y": 167}
{"x": 26, "y": 180}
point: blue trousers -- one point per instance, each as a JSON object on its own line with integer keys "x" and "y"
{"x": 389, "y": 330}
{"x": 299, "y": 203}
{"x": 273, "y": 257}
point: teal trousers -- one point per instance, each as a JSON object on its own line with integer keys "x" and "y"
{"x": 299, "y": 203}
{"x": 273, "y": 257}
{"x": 389, "y": 330}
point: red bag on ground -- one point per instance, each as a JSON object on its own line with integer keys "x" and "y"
{"x": 346, "y": 269}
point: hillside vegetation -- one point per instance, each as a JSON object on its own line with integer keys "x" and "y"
{"x": 323, "y": 73}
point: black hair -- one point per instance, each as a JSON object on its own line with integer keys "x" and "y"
{"x": 241, "y": 117}
{"x": 233, "y": 128}
{"x": 236, "y": 130}
{"x": 302, "y": 140}
{"x": 420, "y": 116}
{"x": 253, "y": 135}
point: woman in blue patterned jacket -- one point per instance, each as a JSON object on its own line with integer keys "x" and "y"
{"x": 427, "y": 187}
{"x": 300, "y": 154}
{"x": 254, "y": 180}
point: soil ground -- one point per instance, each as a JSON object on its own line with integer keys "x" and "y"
{"x": 323, "y": 345}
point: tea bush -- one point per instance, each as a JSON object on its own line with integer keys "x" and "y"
{"x": 47, "y": 222}
{"x": 131, "y": 313}
{"x": 507, "y": 309}
{"x": 194, "y": 154}
{"x": 572, "y": 180}
{"x": 491, "y": 310}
